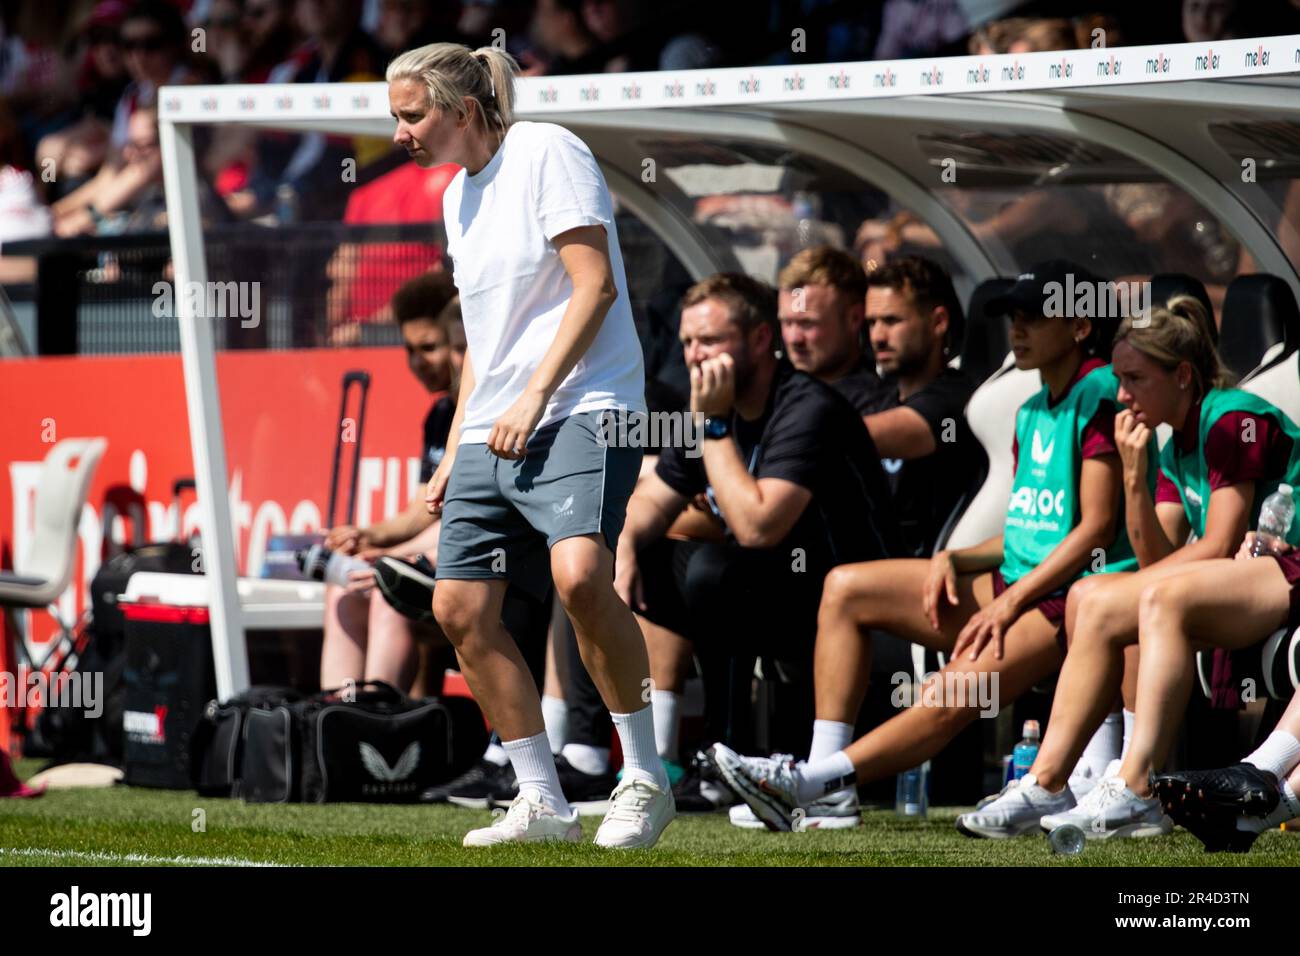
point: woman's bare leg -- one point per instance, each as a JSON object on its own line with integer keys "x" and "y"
{"x": 921, "y": 731}
{"x": 1106, "y": 622}
{"x": 1129, "y": 685}
{"x": 1227, "y": 603}
{"x": 885, "y": 595}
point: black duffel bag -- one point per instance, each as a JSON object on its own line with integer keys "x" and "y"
{"x": 381, "y": 747}
{"x": 218, "y": 748}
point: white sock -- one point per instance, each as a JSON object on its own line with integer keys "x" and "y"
{"x": 586, "y": 758}
{"x": 636, "y": 732}
{"x": 1287, "y": 809}
{"x": 496, "y": 754}
{"x": 828, "y": 775}
{"x": 828, "y": 737}
{"x": 667, "y": 707}
{"x": 555, "y": 715}
{"x": 1106, "y": 745}
{"x": 1130, "y": 719}
{"x": 1279, "y": 754}
{"x": 535, "y": 768}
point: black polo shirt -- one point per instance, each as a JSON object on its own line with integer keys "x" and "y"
{"x": 926, "y": 490}
{"x": 811, "y": 435}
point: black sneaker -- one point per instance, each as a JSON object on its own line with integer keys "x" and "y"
{"x": 407, "y": 586}
{"x": 588, "y": 793}
{"x": 702, "y": 789}
{"x": 477, "y": 788}
{"x": 1210, "y": 802}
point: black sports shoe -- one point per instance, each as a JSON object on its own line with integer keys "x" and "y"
{"x": 477, "y": 787}
{"x": 588, "y": 793}
{"x": 1210, "y": 802}
{"x": 702, "y": 789}
{"x": 407, "y": 586}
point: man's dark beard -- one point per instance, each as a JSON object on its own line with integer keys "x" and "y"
{"x": 744, "y": 374}
{"x": 909, "y": 366}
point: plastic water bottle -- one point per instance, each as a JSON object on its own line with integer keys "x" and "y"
{"x": 333, "y": 567}
{"x": 1275, "y": 519}
{"x": 1067, "y": 840}
{"x": 913, "y": 793}
{"x": 1022, "y": 758}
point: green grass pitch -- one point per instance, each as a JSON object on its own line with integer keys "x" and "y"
{"x": 128, "y": 826}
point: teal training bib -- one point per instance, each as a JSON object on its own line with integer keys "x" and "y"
{"x": 1044, "y": 503}
{"x": 1191, "y": 474}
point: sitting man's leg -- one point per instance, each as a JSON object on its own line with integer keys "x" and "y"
{"x": 343, "y": 649}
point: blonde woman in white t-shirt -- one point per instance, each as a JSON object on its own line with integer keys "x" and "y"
{"x": 532, "y": 488}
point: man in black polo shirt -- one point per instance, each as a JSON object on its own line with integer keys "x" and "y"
{"x": 788, "y": 468}
{"x": 930, "y": 454}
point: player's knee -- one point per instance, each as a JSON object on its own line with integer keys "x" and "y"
{"x": 579, "y": 588}
{"x": 1101, "y": 613}
{"x": 1162, "y": 599}
{"x": 457, "y": 613}
{"x": 843, "y": 586}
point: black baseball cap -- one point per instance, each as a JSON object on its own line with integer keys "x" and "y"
{"x": 1029, "y": 294}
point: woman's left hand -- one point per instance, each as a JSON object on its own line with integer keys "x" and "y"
{"x": 510, "y": 434}
{"x": 990, "y": 623}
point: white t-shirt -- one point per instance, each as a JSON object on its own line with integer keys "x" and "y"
{"x": 541, "y": 182}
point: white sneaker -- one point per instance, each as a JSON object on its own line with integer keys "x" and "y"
{"x": 1112, "y": 809}
{"x": 1017, "y": 809}
{"x": 767, "y": 784}
{"x": 527, "y": 821}
{"x": 743, "y": 817}
{"x": 1083, "y": 782}
{"x": 639, "y": 811}
{"x": 839, "y": 811}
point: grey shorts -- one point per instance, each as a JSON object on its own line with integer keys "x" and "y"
{"x": 500, "y": 517}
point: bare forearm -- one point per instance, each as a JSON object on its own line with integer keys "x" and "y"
{"x": 984, "y": 556}
{"x": 401, "y": 527}
{"x": 579, "y": 327}
{"x": 1203, "y": 549}
{"x": 1144, "y": 531}
{"x": 462, "y": 399}
{"x": 738, "y": 493}
{"x": 644, "y": 524}
{"x": 1085, "y": 544}
{"x": 423, "y": 541}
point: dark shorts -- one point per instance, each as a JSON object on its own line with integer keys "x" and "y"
{"x": 501, "y": 517}
{"x": 720, "y": 595}
{"x": 1051, "y": 607}
{"x": 1290, "y": 565}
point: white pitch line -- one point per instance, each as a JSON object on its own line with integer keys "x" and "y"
{"x": 103, "y": 857}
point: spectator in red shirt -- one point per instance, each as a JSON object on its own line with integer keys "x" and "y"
{"x": 365, "y": 277}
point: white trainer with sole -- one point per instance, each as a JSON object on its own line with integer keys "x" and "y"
{"x": 527, "y": 821}
{"x": 639, "y": 812}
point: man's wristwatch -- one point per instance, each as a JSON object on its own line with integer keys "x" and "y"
{"x": 717, "y": 427}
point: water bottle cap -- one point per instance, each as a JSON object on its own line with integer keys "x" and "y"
{"x": 1031, "y": 731}
{"x": 1285, "y": 489}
